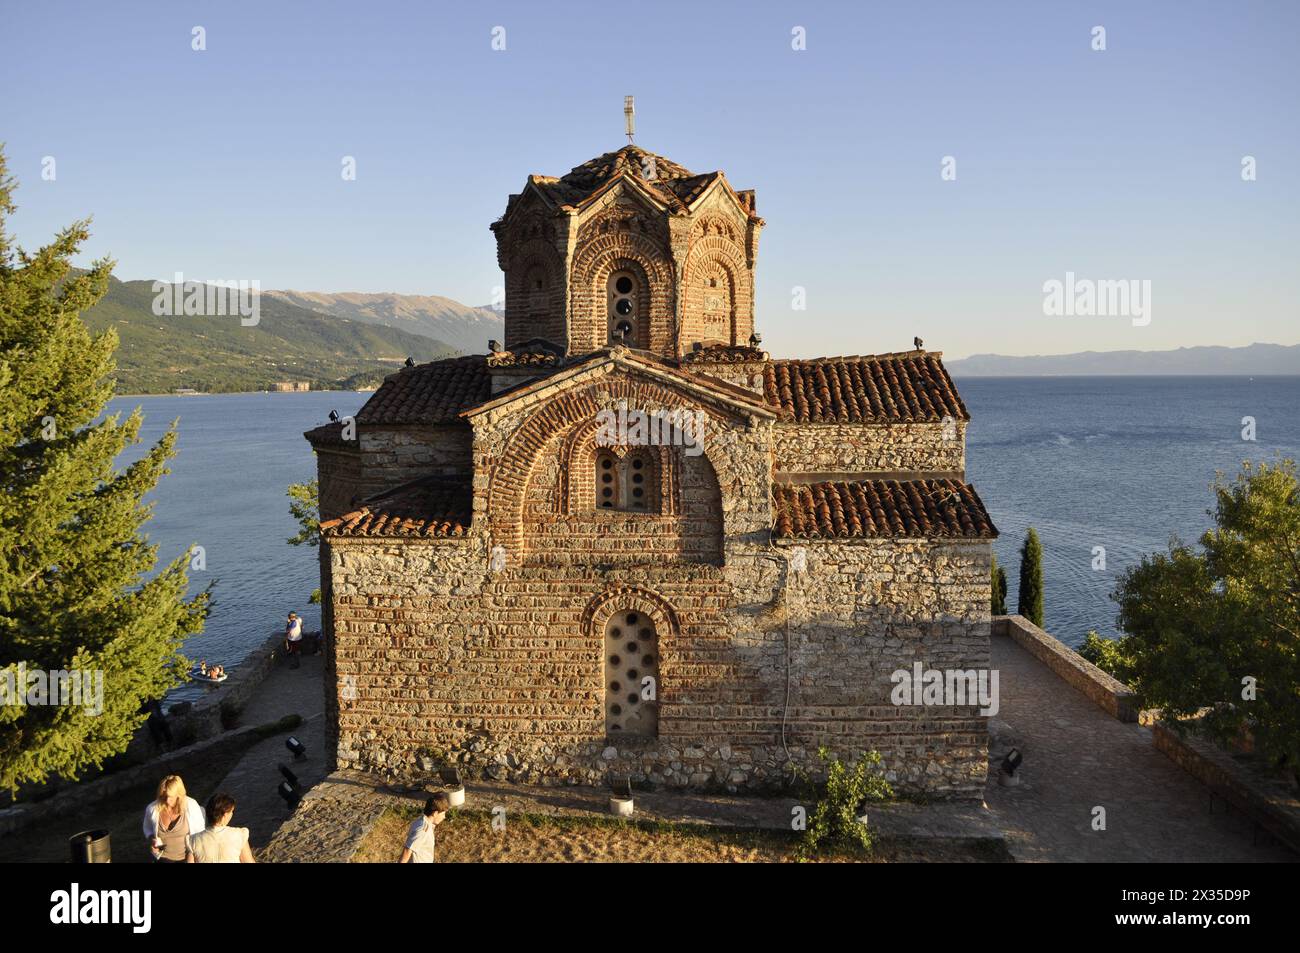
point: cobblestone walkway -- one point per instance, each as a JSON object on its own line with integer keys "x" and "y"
{"x": 1076, "y": 758}
{"x": 255, "y": 779}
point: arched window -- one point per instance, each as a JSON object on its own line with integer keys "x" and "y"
{"x": 629, "y": 483}
{"x": 626, "y": 308}
{"x": 607, "y": 484}
{"x": 631, "y": 675}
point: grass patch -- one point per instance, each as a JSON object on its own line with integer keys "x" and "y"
{"x": 467, "y": 836}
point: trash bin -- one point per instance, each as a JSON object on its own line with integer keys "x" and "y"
{"x": 90, "y": 847}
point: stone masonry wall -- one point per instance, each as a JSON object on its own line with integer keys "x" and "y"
{"x": 858, "y": 448}
{"x": 391, "y": 456}
{"x": 339, "y": 475}
{"x": 503, "y": 672}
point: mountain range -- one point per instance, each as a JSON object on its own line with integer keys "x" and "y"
{"x": 463, "y": 327}
{"x": 1253, "y": 359}
{"x": 164, "y": 353}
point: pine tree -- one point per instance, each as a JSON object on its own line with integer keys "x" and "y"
{"x": 78, "y": 591}
{"x": 998, "y": 584}
{"x": 1031, "y": 579}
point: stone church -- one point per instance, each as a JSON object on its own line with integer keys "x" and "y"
{"x": 629, "y": 543}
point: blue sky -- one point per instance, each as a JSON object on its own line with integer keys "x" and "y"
{"x": 1122, "y": 164}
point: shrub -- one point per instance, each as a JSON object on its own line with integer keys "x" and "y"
{"x": 834, "y": 821}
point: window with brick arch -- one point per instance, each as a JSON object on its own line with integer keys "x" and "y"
{"x": 629, "y": 483}
{"x": 631, "y": 675}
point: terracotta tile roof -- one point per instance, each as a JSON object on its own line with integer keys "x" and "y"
{"x": 328, "y": 435}
{"x": 433, "y": 508}
{"x": 675, "y": 185}
{"x": 725, "y": 354}
{"x": 908, "y": 386}
{"x": 907, "y": 509}
{"x": 429, "y": 393}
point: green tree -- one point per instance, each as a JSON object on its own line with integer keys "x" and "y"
{"x": 1107, "y": 654}
{"x": 304, "y": 506}
{"x": 998, "y": 585}
{"x": 1219, "y": 628}
{"x": 78, "y": 591}
{"x": 1030, "y": 596}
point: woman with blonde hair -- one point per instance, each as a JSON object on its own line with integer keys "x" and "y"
{"x": 170, "y": 820}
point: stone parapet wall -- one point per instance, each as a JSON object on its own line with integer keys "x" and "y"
{"x": 1109, "y": 693}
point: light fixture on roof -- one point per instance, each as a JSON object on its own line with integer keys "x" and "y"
{"x": 410, "y": 362}
{"x": 755, "y": 339}
{"x": 629, "y": 115}
{"x": 494, "y": 346}
{"x": 334, "y": 416}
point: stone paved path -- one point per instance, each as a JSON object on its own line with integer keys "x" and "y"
{"x": 254, "y": 780}
{"x": 1077, "y": 757}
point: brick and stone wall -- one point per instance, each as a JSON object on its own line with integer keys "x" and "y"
{"x": 393, "y": 455}
{"x": 503, "y": 672}
{"x": 867, "y": 448}
{"x": 339, "y": 476}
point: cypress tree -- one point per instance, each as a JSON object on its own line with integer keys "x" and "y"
{"x": 78, "y": 591}
{"x": 1031, "y": 579}
{"x": 998, "y": 584}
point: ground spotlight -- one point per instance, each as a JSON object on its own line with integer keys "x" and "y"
{"x": 297, "y": 747}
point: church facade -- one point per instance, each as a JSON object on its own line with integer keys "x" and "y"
{"x": 629, "y": 543}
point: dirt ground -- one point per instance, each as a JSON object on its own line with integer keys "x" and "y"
{"x": 468, "y": 837}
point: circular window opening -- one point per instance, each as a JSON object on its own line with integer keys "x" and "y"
{"x": 633, "y": 698}
{"x": 623, "y": 307}
{"x": 632, "y": 618}
{"x": 615, "y": 660}
{"x": 615, "y": 686}
{"x": 623, "y": 285}
{"x": 616, "y": 709}
{"x": 633, "y": 647}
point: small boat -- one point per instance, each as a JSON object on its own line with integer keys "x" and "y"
{"x": 200, "y": 676}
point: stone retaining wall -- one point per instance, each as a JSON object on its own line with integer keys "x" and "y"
{"x": 1266, "y": 800}
{"x": 79, "y": 796}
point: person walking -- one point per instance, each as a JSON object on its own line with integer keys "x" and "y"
{"x": 420, "y": 837}
{"x": 170, "y": 820}
{"x": 220, "y": 843}
{"x": 293, "y": 638}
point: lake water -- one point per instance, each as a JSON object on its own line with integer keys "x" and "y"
{"x": 1116, "y": 462}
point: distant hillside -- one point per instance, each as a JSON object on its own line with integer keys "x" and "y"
{"x": 462, "y": 326}
{"x": 1254, "y": 359}
{"x": 214, "y": 354}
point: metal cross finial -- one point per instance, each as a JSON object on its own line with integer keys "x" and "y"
{"x": 629, "y": 114}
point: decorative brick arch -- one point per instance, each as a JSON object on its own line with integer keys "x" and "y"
{"x": 519, "y": 456}
{"x": 598, "y": 257}
{"x": 578, "y": 453}
{"x": 710, "y": 253}
{"x": 637, "y": 598}
{"x": 531, "y": 260}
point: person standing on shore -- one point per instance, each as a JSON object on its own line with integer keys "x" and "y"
{"x": 420, "y": 838}
{"x": 293, "y": 638}
{"x": 170, "y": 821}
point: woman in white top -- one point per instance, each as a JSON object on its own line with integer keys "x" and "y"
{"x": 221, "y": 843}
{"x": 170, "y": 820}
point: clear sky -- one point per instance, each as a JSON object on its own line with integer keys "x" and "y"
{"x": 1122, "y": 164}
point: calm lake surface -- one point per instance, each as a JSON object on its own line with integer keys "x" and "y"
{"x": 1122, "y": 463}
